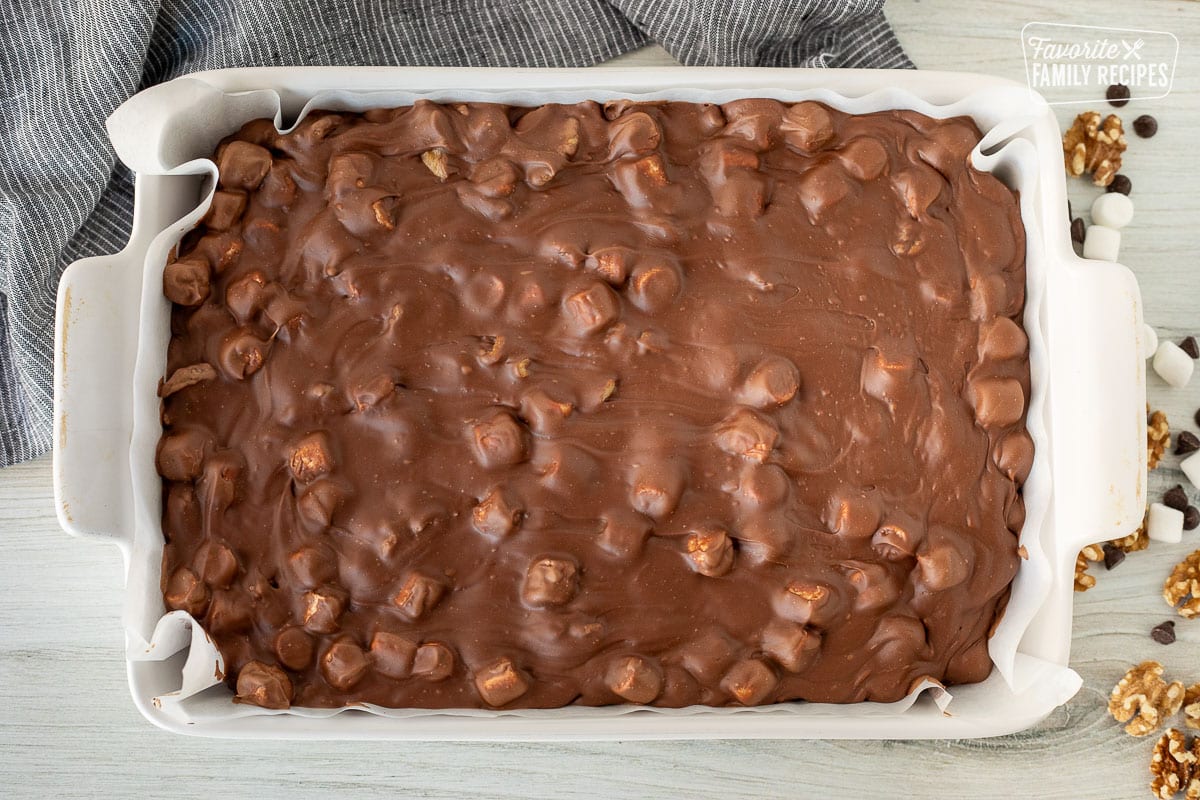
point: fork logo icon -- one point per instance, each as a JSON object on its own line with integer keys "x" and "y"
{"x": 1132, "y": 48}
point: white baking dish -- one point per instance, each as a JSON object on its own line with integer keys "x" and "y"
{"x": 1086, "y": 412}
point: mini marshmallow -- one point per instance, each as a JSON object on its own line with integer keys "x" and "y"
{"x": 1112, "y": 210}
{"x": 1173, "y": 365}
{"x": 1149, "y": 341}
{"x": 1191, "y": 468}
{"x": 1165, "y": 524}
{"x": 1101, "y": 243}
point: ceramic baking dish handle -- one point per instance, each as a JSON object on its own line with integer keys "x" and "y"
{"x": 96, "y": 332}
{"x": 1099, "y": 402}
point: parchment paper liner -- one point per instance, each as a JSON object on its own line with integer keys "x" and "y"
{"x": 189, "y": 118}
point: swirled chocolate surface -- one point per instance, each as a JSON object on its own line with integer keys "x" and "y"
{"x": 475, "y": 405}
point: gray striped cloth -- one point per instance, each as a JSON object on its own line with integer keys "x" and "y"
{"x": 66, "y": 64}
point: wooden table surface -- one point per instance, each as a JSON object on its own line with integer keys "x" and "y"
{"x": 60, "y": 599}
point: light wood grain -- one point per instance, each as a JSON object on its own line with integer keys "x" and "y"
{"x": 60, "y": 599}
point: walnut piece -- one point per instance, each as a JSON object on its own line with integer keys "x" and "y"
{"x": 1083, "y": 581}
{"x": 1158, "y": 438}
{"x": 184, "y": 377}
{"x": 1191, "y": 706}
{"x": 1143, "y": 699}
{"x": 1087, "y": 556}
{"x": 1173, "y": 766}
{"x": 1182, "y": 587}
{"x": 385, "y": 210}
{"x": 1138, "y": 540}
{"x": 492, "y": 350}
{"x": 1095, "y": 146}
{"x": 435, "y": 161}
{"x": 309, "y": 458}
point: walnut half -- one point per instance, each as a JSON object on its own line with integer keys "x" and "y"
{"x": 1174, "y": 767}
{"x": 1191, "y": 706}
{"x": 1094, "y": 145}
{"x": 1182, "y": 587}
{"x": 1143, "y": 699}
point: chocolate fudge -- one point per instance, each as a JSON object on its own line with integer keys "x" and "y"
{"x": 474, "y": 405}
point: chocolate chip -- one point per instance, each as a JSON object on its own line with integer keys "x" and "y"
{"x": 1196, "y": 417}
{"x": 1113, "y": 556}
{"x": 1117, "y": 95}
{"x": 1186, "y": 443}
{"x": 1191, "y": 518}
{"x": 294, "y": 648}
{"x": 1077, "y": 230}
{"x": 1176, "y": 498}
{"x": 1121, "y": 184}
{"x": 1145, "y": 126}
{"x": 1190, "y": 347}
{"x": 1164, "y": 633}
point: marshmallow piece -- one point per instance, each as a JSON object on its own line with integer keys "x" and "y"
{"x": 1112, "y": 210}
{"x": 1149, "y": 341}
{"x": 1101, "y": 243}
{"x": 1173, "y": 365}
{"x": 1165, "y": 524}
{"x": 1191, "y": 468}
